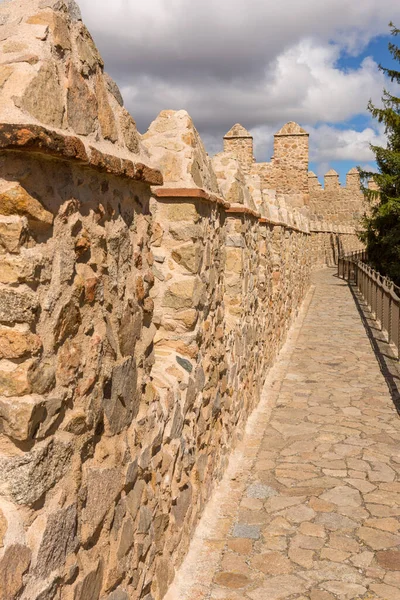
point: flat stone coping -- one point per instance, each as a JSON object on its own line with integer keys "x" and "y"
{"x": 282, "y": 224}
{"x": 197, "y": 193}
{"x": 230, "y": 208}
{"x": 39, "y": 140}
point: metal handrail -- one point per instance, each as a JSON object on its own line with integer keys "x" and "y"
{"x": 379, "y": 292}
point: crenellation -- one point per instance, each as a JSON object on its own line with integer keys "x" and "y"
{"x": 145, "y": 292}
{"x": 239, "y": 142}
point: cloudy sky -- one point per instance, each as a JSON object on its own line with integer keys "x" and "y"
{"x": 257, "y": 62}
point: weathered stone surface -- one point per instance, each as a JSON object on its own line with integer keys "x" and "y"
{"x": 16, "y": 201}
{"x": 117, "y": 595}
{"x": 103, "y": 487}
{"x": 90, "y": 587}
{"x": 389, "y": 560}
{"x": 82, "y": 104}
{"x": 13, "y": 234}
{"x": 184, "y": 294}
{"x": 113, "y": 89}
{"x": 44, "y": 141}
{"x": 27, "y": 478}
{"x": 17, "y": 306}
{"x": 43, "y": 98}
{"x": 120, "y": 398}
{"x": 13, "y": 565}
{"x": 129, "y": 132}
{"x": 189, "y": 257}
{"x": 59, "y": 540}
{"x": 183, "y": 212}
{"x": 18, "y": 344}
{"x": 20, "y": 417}
{"x": 130, "y": 329}
{"x": 3, "y": 528}
{"x": 232, "y": 581}
{"x": 106, "y": 115}
{"x": 68, "y": 321}
{"x": 87, "y": 51}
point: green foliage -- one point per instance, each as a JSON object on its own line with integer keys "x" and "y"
{"x": 382, "y": 224}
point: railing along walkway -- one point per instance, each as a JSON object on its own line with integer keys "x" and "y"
{"x": 380, "y": 293}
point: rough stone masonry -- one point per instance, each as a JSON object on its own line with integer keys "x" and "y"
{"x": 145, "y": 290}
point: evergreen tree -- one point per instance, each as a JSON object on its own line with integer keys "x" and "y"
{"x": 382, "y": 224}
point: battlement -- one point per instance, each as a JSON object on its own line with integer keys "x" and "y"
{"x": 145, "y": 291}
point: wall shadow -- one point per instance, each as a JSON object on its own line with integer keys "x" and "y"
{"x": 388, "y": 363}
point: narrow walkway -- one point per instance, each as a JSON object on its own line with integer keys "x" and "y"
{"x": 310, "y": 505}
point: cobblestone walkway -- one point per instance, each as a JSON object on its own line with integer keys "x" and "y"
{"x": 310, "y": 505}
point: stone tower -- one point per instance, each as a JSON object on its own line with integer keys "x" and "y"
{"x": 239, "y": 142}
{"x": 291, "y": 160}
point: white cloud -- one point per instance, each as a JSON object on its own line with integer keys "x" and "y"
{"x": 258, "y": 62}
{"x": 332, "y": 144}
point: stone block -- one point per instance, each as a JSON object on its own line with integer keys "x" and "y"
{"x": 183, "y": 212}
{"x": 18, "y": 344}
{"x": 90, "y": 587}
{"x": 17, "y": 201}
{"x": 58, "y": 541}
{"x": 17, "y": 306}
{"x": 21, "y": 417}
{"x": 188, "y": 256}
{"x": 186, "y": 293}
{"x": 120, "y": 396}
{"x": 27, "y": 478}
{"x": 43, "y": 97}
{"x": 68, "y": 321}
{"x": 15, "y": 270}
{"x": 103, "y": 487}
{"x": 129, "y": 132}
{"x": 87, "y": 51}
{"x": 13, "y": 566}
{"x": 13, "y": 233}
{"x": 234, "y": 260}
{"x": 58, "y": 27}
{"x": 184, "y": 233}
{"x": 105, "y": 114}
{"x": 82, "y": 104}
{"x": 130, "y": 328}
{"x": 14, "y": 378}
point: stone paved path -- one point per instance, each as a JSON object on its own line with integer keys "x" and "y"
{"x": 310, "y": 505}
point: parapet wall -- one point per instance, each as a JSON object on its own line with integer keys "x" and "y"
{"x": 145, "y": 290}
{"x": 336, "y": 204}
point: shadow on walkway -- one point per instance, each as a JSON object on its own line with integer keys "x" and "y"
{"x": 388, "y": 363}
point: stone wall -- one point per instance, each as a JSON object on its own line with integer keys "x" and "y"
{"x": 145, "y": 290}
{"x": 336, "y": 204}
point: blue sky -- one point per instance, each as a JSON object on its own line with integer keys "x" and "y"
{"x": 377, "y": 48}
{"x": 260, "y": 63}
